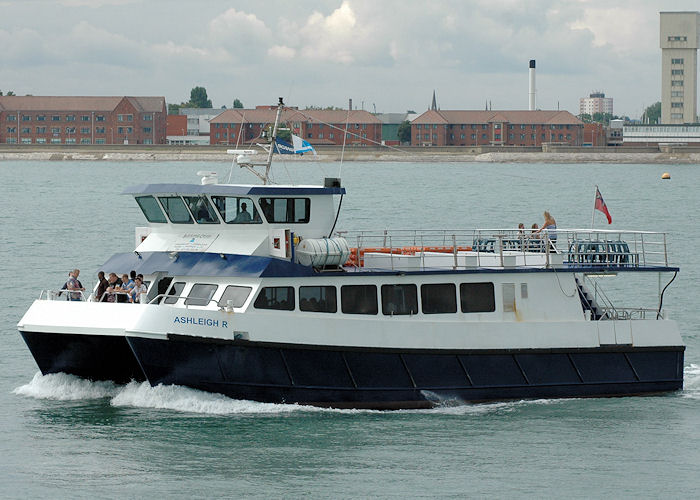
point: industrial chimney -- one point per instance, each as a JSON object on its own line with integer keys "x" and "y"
{"x": 532, "y": 85}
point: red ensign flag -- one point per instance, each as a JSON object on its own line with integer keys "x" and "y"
{"x": 600, "y": 205}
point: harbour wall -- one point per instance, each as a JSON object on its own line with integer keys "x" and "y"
{"x": 495, "y": 154}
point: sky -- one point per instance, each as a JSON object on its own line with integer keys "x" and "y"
{"x": 387, "y": 55}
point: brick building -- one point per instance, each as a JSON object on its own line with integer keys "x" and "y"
{"x": 82, "y": 120}
{"x": 499, "y": 128}
{"x": 318, "y": 127}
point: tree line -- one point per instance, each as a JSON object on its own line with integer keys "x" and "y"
{"x": 198, "y": 99}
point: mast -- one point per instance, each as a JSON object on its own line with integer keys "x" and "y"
{"x": 280, "y": 105}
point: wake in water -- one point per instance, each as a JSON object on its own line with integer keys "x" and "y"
{"x": 691, "y": 381}
{"x": 62, "y": 387}
{"x": 65, "y": 387}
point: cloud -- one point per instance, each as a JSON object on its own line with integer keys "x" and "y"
{"x": 281, "y": 52}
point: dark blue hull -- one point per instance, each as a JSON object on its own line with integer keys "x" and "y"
{"x": 94, "y": 357}
{"x": 392, "y": 378}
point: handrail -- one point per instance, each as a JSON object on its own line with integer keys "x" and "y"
{"x": 596, "y": 248}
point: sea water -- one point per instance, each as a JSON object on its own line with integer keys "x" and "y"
{"x": 66, "y": 437}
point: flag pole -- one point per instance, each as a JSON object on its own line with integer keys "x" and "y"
{"x": 593, "y": 214}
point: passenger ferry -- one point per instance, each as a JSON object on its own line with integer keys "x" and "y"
{"x": 253, "y": 293}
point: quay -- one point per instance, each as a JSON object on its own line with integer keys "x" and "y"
{"x": 482, "y": 154}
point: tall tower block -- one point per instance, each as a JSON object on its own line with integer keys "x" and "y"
{"x": 679, "y": 40}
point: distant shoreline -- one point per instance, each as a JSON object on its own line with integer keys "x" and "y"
{"x": 332, "y": 154}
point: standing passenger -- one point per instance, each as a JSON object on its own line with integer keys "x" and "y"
{"x": 74, "y": 284}
{"x": 102, "y": 285}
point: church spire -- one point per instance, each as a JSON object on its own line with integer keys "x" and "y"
{"x": 434, "y": 105}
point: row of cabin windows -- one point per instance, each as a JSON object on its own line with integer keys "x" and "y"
{"x": 396, "y": 300}
{"x": 231, "y": 209}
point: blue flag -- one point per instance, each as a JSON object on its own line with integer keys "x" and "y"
{"x": 299, "y": 146}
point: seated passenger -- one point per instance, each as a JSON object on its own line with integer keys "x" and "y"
{"x": 243, "y": 216}
{"x": 138, "y": 292}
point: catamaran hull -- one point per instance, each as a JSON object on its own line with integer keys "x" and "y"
{"x": 94, "y": 357}
{"x": 394, "y": 378}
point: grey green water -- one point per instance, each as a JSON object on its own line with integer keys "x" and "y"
{"x": 64, "y": 437}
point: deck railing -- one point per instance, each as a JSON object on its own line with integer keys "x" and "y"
{"x": 595, "y": 248}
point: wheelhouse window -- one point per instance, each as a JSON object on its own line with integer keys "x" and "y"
{"x": 201, "y": 209}
{"x": 318, "y": 299}
{"x": 176, "y": 209}
{"x": 236, "y": 210}
{"x": 438, "y": 298}
{"x": 286, "y": 210}
{"x": 276, "y": 297}
{"x": 477, "y": 297}
{"x": 150, "y": 208}
{"x": 200, "y": 295}
{"x": 174, "y": 292}
{"x": 399, "y": 300}
{"x": 358, "y": 299}
{"x": 236, "y": 294}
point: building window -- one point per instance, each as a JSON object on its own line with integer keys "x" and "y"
{"x": 483, "y": 136}
{"x": 677, "y": 38}
{"x": 676, "y": 71}
{"x": 41, "y": 130}
{"x": 41, "y": 118}
{"x": 26, "y": 140}
{"x": 435, "y": 125}
{"x": 320, "y": 135}
{"x": 55, "y": 141}
{"x": 84, "y": 118}
{"x": 125, "y": 118}
{"x": 676, "y": 104}
{"x": 148, "y": 118}
{"x": 99, "y": 130}
{"x": 85, "y": 140}
{"x": 461, "y": 136}
{"x": 497, "y": 126}
{"x": 99, "y": 141}
{"x": 484, "y": 126}
{"x": 435, "y": 137}
{"x": 677, "y": 83}
{"x": 532, "y": 137}
{"x": 418, "y": 126}
{"x": 148, "y": 141}
{"x": 473, "y": 136}
{"x": 310, "y": 135}
{"x": 11, "y": 140}
{"x": 676, "y": 115}
{"x": 147, "y": 130}
{"x": 41, "y": 140}
{"x": 100, "y": 118}
{"x": 11, "y": 130}
{"x": 55, "y": 130}
{"x": 543, "y": 137}
{"x": 677, "y": 61}
{"x": 26, "y": 130}
{"x": 84, "y": 130}
{"x": 677, "y": 93}
{"x": 522, "y": 136}
{"x": 497, "y": 137}
{"x": 70, "y": 140}
{"x": 26, "y": 118}
{"x": 70, "y": 130}
{"x": 70, "y": 118}
{"x": 11, "y": 118}
{"x": 55, "y": 118}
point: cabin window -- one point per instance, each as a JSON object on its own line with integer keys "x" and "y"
{"x": 358, "y": 299}
{"x": 236, "y": 294}
{"x": 236, "y": 210}
{"x": 438, "y": 298}
{"x": 318, "y": 299}
{"x": 175, "y": 291}
{"x": 176, "y": 210}
{"x": 276, "y": 297}
{"x": 286, "y": 210}
{"x": 508, "y": 290}
{"x": 150, "y": 208}
{"x": 399, "y": 300}
{"x": 477, "y": 297}
{"x": 201, "y": 209}
{"x": 200, "y": 295}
